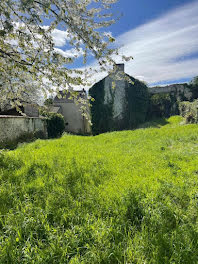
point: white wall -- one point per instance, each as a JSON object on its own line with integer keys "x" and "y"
{"x": 75, "y": 122}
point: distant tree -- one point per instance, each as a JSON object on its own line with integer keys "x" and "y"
{"x": 194, "y": 81}
{"x": 29, "y": 60}
{"x": 194, "y": 87}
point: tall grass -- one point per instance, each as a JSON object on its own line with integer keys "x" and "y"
{"x": 121, "y": 197}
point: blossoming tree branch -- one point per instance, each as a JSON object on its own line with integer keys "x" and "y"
{"x": 30, "y": 63}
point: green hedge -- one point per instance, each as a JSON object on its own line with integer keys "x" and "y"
{"x": 24, "y": 138}
{"x": 55, "y": 124}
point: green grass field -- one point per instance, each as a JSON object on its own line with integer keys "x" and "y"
{"x": 121, "y": 197}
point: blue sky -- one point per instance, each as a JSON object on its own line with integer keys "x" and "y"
{"x": 161, "y": 35}
{"x": 138, "y": 12}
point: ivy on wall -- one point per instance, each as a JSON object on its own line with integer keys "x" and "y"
{"x": 136, "y": 103}
{"x": 101, "y": 114}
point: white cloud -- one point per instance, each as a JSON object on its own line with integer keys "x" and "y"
{"x": 60, "y": 37}
{"x": 70, "y": 53}
{"x": 163, "y": 48}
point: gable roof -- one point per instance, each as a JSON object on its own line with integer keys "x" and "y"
{"x": 54, "y": 109}
{"x": 66, "y": 95}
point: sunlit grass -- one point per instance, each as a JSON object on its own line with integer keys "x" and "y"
{"x": 121, "y": 197}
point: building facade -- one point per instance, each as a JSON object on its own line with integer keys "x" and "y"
{"x": 70, "y": 108}
{"x": 120, "y": 102}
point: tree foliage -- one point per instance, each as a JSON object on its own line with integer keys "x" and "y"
{"x": 193, "y": 85}
{"x": 28, "y": 56}
{"x": 194, "y": 81}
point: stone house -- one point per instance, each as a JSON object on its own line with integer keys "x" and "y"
{"x": 75, "y": 121}
{"x": 121, "y": 102}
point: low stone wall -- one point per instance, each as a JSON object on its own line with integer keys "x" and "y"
{"x": 12, "y": 127}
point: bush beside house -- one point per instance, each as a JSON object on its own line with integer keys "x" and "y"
{"x": 55, "y": 124}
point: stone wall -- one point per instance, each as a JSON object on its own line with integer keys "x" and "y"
{"x": 12, "y": 127}
{"x": 181, "y": 90}
{"x": 164, "y": 101}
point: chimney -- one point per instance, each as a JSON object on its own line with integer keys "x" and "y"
{"x": 119, "y": 67}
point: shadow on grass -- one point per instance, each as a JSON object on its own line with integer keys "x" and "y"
{"x": 24, "y": 138}
{"x": 156, "y": 123}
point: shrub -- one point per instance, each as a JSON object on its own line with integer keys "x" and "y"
{"x": 55, "y": 124}
{"x": 189, "y": 110}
